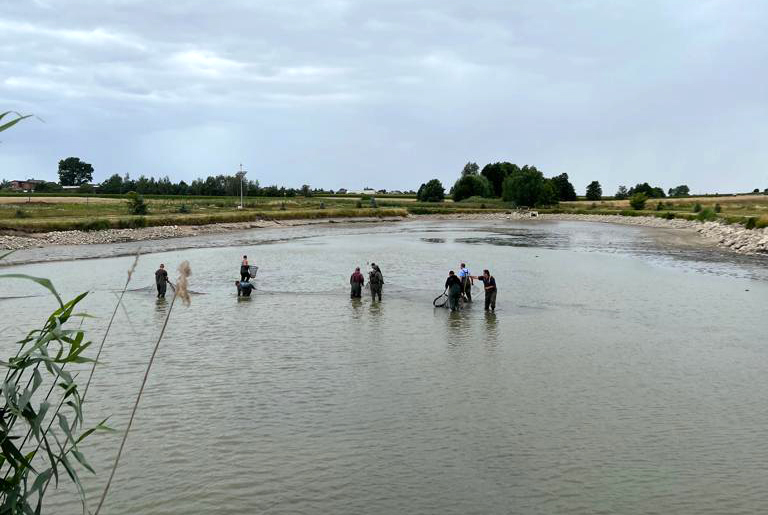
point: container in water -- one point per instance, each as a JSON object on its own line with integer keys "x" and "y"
{"x": 252, "y": 270}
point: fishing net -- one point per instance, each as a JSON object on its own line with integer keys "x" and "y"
{"x": 440, "y": 301}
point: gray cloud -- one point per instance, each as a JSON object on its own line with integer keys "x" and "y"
{"x": 390, "y": 93}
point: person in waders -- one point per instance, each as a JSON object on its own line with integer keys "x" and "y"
{"x": 376, "y": 281}
{"x": 466, "y": 282}
{"x": 245, "y": 274}
{"x": 357, "y": 281}
{"x": 489, "y": 282}
{"x": 453, "y": 285}
{"x": 161, "y": 281}
{"x": 244, "y": 288}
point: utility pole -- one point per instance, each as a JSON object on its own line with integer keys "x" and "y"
{"x": 241, "y": 175}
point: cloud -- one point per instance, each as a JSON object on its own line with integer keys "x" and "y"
{"x": 391, "y": 92}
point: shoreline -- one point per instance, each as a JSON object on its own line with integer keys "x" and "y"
{"x": 733, "y": 237}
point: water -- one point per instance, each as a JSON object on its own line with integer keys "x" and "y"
{"x": 621, "y": 373}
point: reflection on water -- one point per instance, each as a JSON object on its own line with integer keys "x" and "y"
{"x": 618, "y": 375}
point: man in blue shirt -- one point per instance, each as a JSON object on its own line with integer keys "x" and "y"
{"x": 466, "y": 282}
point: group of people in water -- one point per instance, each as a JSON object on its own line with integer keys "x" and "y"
{"x": 458, "y": 287}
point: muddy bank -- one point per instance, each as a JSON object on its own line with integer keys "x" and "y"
{"x": 17, "y": 242}
{"x": 733, "y": 237}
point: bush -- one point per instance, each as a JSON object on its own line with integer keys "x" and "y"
{"x": 696, "y": 207}
{"x": 136, "y": 204}
{"x": 669, "y": 216}
{"x": 432, "y": 191}
{"x": 660, "y": 206}
{"x": 359, "y": 204}
{"x": 184, "y": 208}
{"x": 322, "y": 205}
{"x": 751, "y": 222}
{"x": 100, "y": 224}
{"x": 20, "y": 213}
{"x": 373, "y": 203}
{"x": 718, "y": 208}
{"x": 132, "y": 223}
{"x": 706, "y": 215}
{"x": 638, "y": 200}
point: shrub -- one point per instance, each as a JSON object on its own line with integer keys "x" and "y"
{"x": 282, "y": 206}
{"x": 696, "y": 207}
{"x": 136, "y": 204}
{"x": 322, "y": 205}
{"x": 718, "y": 208}
{"x": 132, "y": 223}
{"x": 660, "y": 206}
{"x": 751, "y": 222}
{"x": 669, "y": 216}
{"x": 100, "y": 224}
{"x": 373, "y": 203}
{"x": 638, "y": 200}
{"x": 706, "y": 215}
{"x": 359, "y": 204}
{"x": 20, "y": 213}
{"x": 184, "y": 208}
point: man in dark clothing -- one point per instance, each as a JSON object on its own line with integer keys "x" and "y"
{"x": 376, "y": 281}
{"x": 244, "y": 288}
{"x": 490, "y": 289}
{"x": 161, "y": 281}
{"x": 357, "y": 281}
{"x": 453, "y": 285}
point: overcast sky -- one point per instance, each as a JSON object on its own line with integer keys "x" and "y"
{"x": 390, "y": 93}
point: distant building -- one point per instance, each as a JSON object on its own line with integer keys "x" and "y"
{"x": 28, "y": 185}
{"x": 366, "y": 191}
{"x": 76, "y": 188}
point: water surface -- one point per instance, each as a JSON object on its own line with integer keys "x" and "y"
{"x": 621, "y": 373}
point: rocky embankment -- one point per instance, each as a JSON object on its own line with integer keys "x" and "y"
{"x": 734, "y": 237}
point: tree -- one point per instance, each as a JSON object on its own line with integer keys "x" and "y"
{"x": 432, "y": 191}
{"x": 594, "y": 191}
{"x": 136, "y": 204}
{"x": 470, "y": 169}
{"x": 112, "y": 185}
{"x": 471, "y": 186}
{"x": 638, "y": 200}
{"x": 496, "y": 173}
{"x": 528, "y": 187}
{"x": 650, "y": 191}
{"x": 74, "y": 172}
{"x": 563, "y": 187}
{"x": 306, "y": 191}
{"x": 47, "y": 187}
{"x": 680, "y": 191}
{"x": 622, "y": 193}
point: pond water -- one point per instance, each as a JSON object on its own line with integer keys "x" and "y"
{"x": 624, "y": 371}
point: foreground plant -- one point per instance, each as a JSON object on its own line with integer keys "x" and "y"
{"x": 41, "y": 417}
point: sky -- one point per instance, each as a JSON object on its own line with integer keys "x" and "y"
{"x": 389, "y": 93}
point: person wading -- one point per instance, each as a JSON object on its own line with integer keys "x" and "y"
{"x": 376, "y": 281}
{"x": 357, "y": 281}
{"x": 245, "y": 274}
{"x": 490, "y": 289}
{"x": 161, "y": 281}
{"x": 244, "y": 288}
{"x": 466, "y": 282}
{"x": 453, "y": 285}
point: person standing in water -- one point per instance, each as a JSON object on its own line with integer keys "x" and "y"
{"x": 357, "y": 281}
{"x": 466, "y": 282}
{"x": 245, "y": 274}
{"x": 161, "y": 281}
{"x": 376, "y": 281}
{"x": 489, "y": 282}
{"x": 453, "y": 285}
{"x": 244, "y": 288}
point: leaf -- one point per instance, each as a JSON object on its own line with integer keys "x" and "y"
{"x": 81, "y": 459}
{"x": 12, "y": 122}
{"x": 42, "y": 281}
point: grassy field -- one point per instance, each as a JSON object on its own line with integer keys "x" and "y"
{"x": 41, "y": 213}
